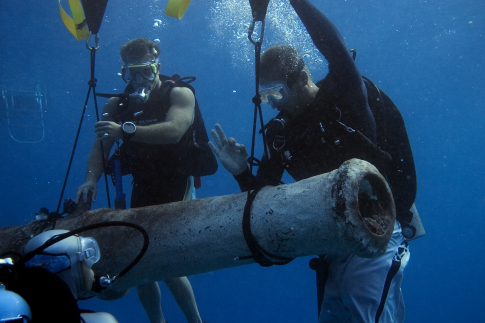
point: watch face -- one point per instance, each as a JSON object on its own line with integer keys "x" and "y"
{"x": 129, "y": 127}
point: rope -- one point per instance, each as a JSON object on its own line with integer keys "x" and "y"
{"x": 92, "y": 86}
{"x": 258, "y": 253}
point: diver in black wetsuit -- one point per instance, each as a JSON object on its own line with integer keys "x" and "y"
{"x": 301, "y": 141}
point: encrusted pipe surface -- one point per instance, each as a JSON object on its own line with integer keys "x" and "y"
{"x": 349, "y": 210}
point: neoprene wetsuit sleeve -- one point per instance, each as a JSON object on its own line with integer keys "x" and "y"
{"x": 344, "y": 77}
{"x": 269, "y": 173}
{"x": 246, "y": 180}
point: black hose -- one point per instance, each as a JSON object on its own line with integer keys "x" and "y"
{"x": 63, "y": 236}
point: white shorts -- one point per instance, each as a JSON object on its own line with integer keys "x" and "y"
{"x": 366, "y": 290}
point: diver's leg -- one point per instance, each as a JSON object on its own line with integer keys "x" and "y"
{"x": 392, "y": 307}
{"x": 366, "y": 290}
{"x": 333, "y": 308}
{"x": 184, "y": 296}
{"x": 99, "y": 317}
{"x": 151, "y": 300}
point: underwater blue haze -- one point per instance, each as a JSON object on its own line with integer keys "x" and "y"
{"x": 426, "y": 54}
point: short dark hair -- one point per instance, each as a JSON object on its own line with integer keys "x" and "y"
{"x": 139, "y": 48}
{"x": 281, "y": 60}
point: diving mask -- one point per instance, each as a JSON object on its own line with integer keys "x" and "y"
{"x": 59, "y": 262}
{"x": 138, "y": 72}
{"x": 90, "y": 251}
{"x": 274, "y": 93}
{"x": 53, "y": 263}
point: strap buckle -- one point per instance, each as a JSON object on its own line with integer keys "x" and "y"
{"x": 402, "y": 251}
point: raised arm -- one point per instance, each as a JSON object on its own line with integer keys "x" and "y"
{"x": 329, "y": 42}
{"x": 344, "y": 78}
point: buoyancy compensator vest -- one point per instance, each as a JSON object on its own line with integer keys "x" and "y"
{"x": 318, "y": 141}
{"x": 392, "y": 137}
{"x": 190, "y": 156}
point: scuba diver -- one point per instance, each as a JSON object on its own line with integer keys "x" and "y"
{"x": 157, "y": 118}
{"x": 319, "y": 126}
{"x": 54, "y": 279}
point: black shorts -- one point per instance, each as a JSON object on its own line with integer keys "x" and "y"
{"x": 158, "y": 190}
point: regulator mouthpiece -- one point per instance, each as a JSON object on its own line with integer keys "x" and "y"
{"x": 140, "y": 96}
{"x": 102, "y": 282}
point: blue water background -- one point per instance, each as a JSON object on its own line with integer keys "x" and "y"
{"x": 427, "y": 56}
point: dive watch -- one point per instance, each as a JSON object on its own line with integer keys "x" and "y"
{"x": 128, "y": 130}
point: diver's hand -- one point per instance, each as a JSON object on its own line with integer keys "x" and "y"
{"x": 232, "y": 155}
{"x": 84, "y": 189}
{"x": 105, "y": 130}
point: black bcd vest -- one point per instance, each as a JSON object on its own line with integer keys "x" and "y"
{"x": 190, "y": 156}
{"x": 319, "y": 133}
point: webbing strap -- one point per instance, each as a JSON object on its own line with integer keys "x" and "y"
{"x": 320, "y": 265}
{"x": 258, "y": 253}
{"x": 73, "y": 24}
{"x": 395, "y": 266}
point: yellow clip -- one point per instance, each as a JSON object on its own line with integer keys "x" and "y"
{"x": 77, "y": 19}
{"x": 176, "y": 8}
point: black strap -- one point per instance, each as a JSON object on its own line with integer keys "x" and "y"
{"x": 168, "y": 83}
{"x": 258, "y": 253}
{"x": 320, "y": 265}
{"x": 396, "y": 264}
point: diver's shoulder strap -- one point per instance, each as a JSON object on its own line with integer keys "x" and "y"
{"x": 169, "y": 82}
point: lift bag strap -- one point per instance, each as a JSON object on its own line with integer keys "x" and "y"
{"x": 258, "y": 253}
{"x": 74, "y": 24}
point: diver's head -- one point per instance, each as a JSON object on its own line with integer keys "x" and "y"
{"x": 70, "y": 259}
{"x": 139, "y": 50}
{"x": 140, "y": 67}
{"x": 284, "y": 78}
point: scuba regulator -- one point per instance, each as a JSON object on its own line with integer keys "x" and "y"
{"x": 140, "y": 96}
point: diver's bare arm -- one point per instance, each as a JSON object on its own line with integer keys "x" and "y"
{"x": 179, "y": 118}
{"x": 344, "y": 77}
{"x": 94, "y": 167}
